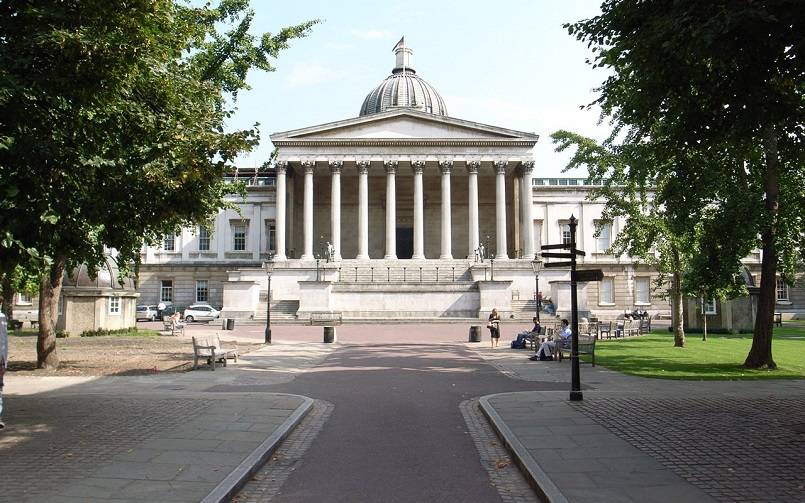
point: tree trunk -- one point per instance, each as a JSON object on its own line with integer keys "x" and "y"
{"x": 678, "y": 314}
{"x": 8, "y": 298}
{"x": 49, "y": 292}
{"x": 760, "y": 354}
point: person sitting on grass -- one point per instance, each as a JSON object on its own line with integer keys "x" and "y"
{"x": 547, "y": 348}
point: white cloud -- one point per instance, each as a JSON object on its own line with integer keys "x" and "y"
{"x": 310, "y": 74}
{"x": 372, "y": 34}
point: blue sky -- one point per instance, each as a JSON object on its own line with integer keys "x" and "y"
{"x": 508, "y": 63}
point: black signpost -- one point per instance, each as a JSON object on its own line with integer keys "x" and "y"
{"x": 575, "y": 278}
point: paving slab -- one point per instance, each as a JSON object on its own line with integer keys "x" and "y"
{"x": 651, "y": 440}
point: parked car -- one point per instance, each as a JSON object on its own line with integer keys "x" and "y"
{"x": 200, "y": 312}
{"x": 147, "y": 313}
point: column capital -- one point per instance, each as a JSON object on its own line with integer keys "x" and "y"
{"x": 500, "y": 167}
{"x": 418, "y": 167}
{"x": 446, "y": 167}
{"x": 363, "y": 167}
{"x": 281, "y": 167}
{"x": 309, "y": 167}
{"x": 527, "y": 167}
{"x": 473, "y": 167}
{"x": 391, "y": 167}
{"x": 335, "y": 167}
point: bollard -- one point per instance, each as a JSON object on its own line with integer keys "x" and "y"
{"x": 329, "y": 334}
{"x": 475, "y": 333}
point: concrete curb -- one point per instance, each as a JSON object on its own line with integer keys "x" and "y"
{"x": 537, "y": 478}
{"x": 233, "y": 482}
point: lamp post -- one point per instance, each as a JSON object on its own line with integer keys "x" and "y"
{"x": 536, "y": 264}
{"x": 268, "y": 265}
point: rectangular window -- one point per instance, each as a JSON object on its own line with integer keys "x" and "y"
{"x": 239, "y": 236}
{"x": 202, "y": 291}
{"x": 709, "y": 306}
{"x": 782, "y": 290}
{"x": 114, "y": 305}
{"x": 23, "y": 299}
{"x": 606, "y": 291}
{"x": 169, "y": 243}
{"x": 203, "y": 238}
{"x": 642, "y": 290}
{"x": 564, "y": 229}
{"x": 271, "y": 236}
{"x": 166, "y": 291}
{"x": 604, "y": 239}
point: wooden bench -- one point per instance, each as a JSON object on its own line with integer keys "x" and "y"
{"x": 210, "y": 349}
{"x": 174, "y": 327}
{"x": 645, "y": 326}
{"x": 586, "y": 347}
{"x": 533, "y": 338}
{"x": 325, "y": 318}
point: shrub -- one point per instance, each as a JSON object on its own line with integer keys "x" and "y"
{"x": 121, "y": 332}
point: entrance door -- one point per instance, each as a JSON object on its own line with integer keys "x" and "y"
{"x": 405, "y": 242}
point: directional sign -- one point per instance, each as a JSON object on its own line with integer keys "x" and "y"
{"x": 587, "y": 275}
{"x": 557, "y": 264}
{"x": 563, "y": 255}
{"x": 556, "y": 247}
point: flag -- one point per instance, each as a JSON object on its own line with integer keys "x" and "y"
{"x": 401, "y": 43}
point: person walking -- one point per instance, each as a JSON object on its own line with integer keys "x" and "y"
{"x": 494, "y": 327}
{"x": 3, "y": 361}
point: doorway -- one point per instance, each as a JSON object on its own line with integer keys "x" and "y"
{"x": 405, "y": 242}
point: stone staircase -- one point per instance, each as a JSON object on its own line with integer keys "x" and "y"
{"x": 281, "y": 310}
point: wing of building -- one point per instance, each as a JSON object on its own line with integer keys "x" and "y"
{"x": 403, "y": 212}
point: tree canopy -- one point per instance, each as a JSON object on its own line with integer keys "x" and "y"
{"x": 113, "y": 125}
{"x": 724, "y": 82}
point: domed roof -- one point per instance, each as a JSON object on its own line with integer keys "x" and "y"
{"x": 403, "y": 89}
{"x": 107, "y": 276}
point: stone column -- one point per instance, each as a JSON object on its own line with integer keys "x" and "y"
{"x": 363, "y": 210}
{"x": 309, "y": 167}
{"x": 472, "y": 171}
{"x": 391, "y": 211}
{"x": 335, "y": 207}
{"x": 500, "y": 210}
{"x": 419, "y": 220}
{"x": 527, "y": 202}
{"x": 447, "y": 236}
{"x": 279, "y": 213}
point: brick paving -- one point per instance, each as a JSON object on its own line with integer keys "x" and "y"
{"x": 266, "y": 483}
{"x": 734, "y": 449}
{"x": 50, "y": 441}
{"x": 504, "y": 474}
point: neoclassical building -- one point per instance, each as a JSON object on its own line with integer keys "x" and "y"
{"x": 402, "y": 212}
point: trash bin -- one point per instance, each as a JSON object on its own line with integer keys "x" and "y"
{"x": 329, "y": 334}
{"x": 475, "y": 333}
{"x": 230, "y": 323}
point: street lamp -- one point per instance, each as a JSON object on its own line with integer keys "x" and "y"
{"x": 268, "y": 265}
{"x": 536, "y": 264}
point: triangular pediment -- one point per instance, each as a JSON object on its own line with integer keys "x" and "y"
{"x": 403, "y": 125}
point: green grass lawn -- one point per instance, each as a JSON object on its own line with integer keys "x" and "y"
{"x": 720, "y": 358}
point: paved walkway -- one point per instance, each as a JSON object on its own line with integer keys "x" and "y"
{"x": 168, "y": 437}
{"x": 652, "y": 440}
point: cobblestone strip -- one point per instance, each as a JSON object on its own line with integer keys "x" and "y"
{"x": 269, "y": 480}
{"x": 503, "y": 472}
{"x": 734, "y": 449}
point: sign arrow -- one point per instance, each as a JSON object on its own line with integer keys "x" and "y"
{"x": 564, "y": 255}
{"x": 557, "y": 264}
{"x": 556, "y": 247}
{"x": 587, "y": 275}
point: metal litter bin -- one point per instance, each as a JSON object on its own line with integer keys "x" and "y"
{"x": 475, "y": 333}
{"x": 230, "y": 324}
{"x": 329, "y": 334}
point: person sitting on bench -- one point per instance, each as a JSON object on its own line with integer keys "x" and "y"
{"x": 546, "y": 349}
{"x": 521, "y": 337}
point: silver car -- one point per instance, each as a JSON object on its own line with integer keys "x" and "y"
{"x": 200, "y": 312}
{"x": 147, "y": 313}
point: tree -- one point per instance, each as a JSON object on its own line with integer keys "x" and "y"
{"x": 112, "y": 126}
{"x": 631, "y": 189}
{"x": 723, "y": 81}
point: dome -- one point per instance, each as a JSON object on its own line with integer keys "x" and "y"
{"x": 403, "y": 89}
{"x": 107, "y": 276}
